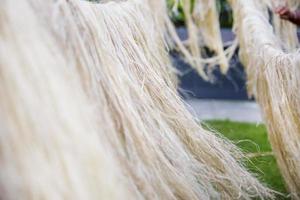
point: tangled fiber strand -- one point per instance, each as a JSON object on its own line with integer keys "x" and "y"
{"x": 193, "y": 39}
{"x": 176, "y": 158}
{"x": 206, "y": 17}
{"x": 203, "y": 31}
{"x": 88, "y": 106}
{"x": 166, "y": 27}
{"x": 273, "y": 77}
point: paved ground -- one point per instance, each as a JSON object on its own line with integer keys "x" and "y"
{"x": 242, "y": 111}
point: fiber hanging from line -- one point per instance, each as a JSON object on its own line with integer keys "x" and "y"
{"x": 89, "y": 106}
{"x": 146, "y": 108}
{"x": 202, "y": 23}
{"x": 206, "y": 17}
{"x": 286, "y": 31}
{"x": 52, "y": 144}
{"x": 273, "y": 77}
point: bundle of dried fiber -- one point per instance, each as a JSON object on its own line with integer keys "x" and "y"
{"x": 136, "y": 135}
{"x": 206, "y": 17}
{"x": 193, "y": 41}
{"x": 164, "y": 150}
{"x": 203, "y": 27}
{"x": 273, "y": 77}
{"x": 165, "y": 26}
{"x": 51, "y": 142}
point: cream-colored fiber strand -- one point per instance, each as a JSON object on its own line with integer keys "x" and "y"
{"x": 194, "y": 45}
{"x": 203, "y": 30}
{"x": 166, "y": 27}
{"x": 206, "y": 17}
{"x": 90, "y": 112}
{"x": 52, "y": 145}
{"x": 273, "y": 77}
{"x": 166, "y": 142}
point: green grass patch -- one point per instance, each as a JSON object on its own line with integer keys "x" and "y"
{"x": 252, "y": 138}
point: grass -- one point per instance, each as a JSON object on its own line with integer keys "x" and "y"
{"x": 252, "y": 138}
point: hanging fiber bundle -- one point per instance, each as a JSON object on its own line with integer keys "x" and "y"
{"x": 206, "y": 16}
{"x": 273, "y": 77}
{"x": 90, "y": 111}
{"x": 285, "y": 30}
{"x": 155, "y": 130}
{"x": 203, "y": 31}
{"x": 52, "y": 145}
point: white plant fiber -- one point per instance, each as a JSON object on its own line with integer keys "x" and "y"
{"x": 273, "y": 77}
{"x": 90, "y": 110}
{"x": 203, "y": 28}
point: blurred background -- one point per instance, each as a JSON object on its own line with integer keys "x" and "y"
{"x": 225, "y": 97}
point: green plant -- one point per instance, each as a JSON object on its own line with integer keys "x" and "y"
{"x": 253, "y": 140}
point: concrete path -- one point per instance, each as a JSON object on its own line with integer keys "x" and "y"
{"x": 241, "y": 111}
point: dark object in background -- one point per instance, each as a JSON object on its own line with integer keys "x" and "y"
{"x": 229, "y": 87}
